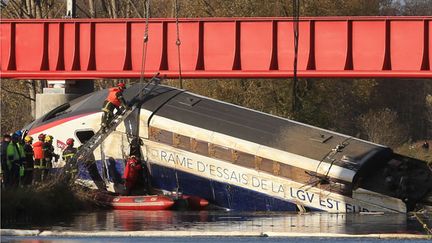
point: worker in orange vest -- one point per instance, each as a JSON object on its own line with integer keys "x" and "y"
{"x": 39, "y": 164}
{"x": 113, "y": 101}
{"x": 131, "y": 173}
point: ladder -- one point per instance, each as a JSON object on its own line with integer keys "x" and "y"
{"x": 86, "y": 150}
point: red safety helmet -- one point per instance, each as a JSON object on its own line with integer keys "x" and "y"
{"x": 70, "y": 141}
{"x": 41, "y": 137}
{"x": 121, "y": 85}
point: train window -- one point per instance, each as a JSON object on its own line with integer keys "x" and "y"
{"x": 162, "y": 136}
{"x": 266, "y": 165}
{"x": 181, "y": 141}
{"x": 286, "y": 170}
{"x": 59, "y": 110}
{"x": 84, "y": 136}
{"x": 244, "y": 159}
{"x": 221, "y": 152}
{"x": 199, "y": 146}
{"x": 165, "y": 137}
{"x": 153, "y": 133}
{"x": 294, "y": 173}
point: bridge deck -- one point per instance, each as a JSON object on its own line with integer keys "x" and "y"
{"x": 357, "y": 47}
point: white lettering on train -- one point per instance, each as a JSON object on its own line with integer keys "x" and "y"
{"x": 255, "y": 182}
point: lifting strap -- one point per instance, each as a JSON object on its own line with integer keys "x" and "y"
{"x": 178, "y": 43}
{"x": 329, "y": 157}
{"x": 296, "y": 15}
{"x": 145, "y": 40}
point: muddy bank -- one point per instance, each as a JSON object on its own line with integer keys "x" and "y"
{"x": 43, "y": 202}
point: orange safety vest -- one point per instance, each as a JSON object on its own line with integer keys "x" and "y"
{"x": 112, "y": 96}
{"x": 37, "y": 149}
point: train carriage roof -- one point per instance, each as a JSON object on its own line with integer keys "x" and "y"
{"x": 268, "y": 130}
{"x": 235, "y": 121}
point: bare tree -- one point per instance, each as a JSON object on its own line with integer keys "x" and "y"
{"x": 14, "y": 108}
{"x": 92, "y": 9}
{"x": 428, "y": 101}
{"x": 382, "y": 126}
{"x": 113, "y": 4}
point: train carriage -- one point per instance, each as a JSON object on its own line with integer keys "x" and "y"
{"x": 242, "y": 159}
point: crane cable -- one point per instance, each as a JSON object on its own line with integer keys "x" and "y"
{"x": 178, "y": 43}
{"x": 145, "y": 42}
{"x": 296, "y": 15}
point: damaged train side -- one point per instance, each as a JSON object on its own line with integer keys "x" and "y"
{"x": 242, "y": 159}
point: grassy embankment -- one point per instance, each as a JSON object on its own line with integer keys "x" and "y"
{"x": 43, "y": 202}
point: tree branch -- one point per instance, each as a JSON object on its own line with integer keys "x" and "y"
{"x": 208, "y": 6}
{"x": 17, "y": 7}
{"x": 23, "y": 95}
{"x": 58, "y": 11}
{"x": 82, "y": 10}
{"x": 28, "y": 82}
{"x": 10, "y": 13}
{"x": 135, "y": 8}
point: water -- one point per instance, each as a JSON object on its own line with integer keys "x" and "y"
{"x": 223, "y": 221}
{"x": 207, "y": 240}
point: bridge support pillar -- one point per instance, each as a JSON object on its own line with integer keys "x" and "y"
{"x": 59, "y": 92}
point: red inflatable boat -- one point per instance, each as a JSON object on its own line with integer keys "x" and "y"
{"x": 141, "y": 202}
{"x": 195, "y": 202}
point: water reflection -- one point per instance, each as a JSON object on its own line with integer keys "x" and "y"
{"x": 221, "y": 221}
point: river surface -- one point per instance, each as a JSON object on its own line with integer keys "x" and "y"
{"x": 126, "y": 220}
{"x": 223, "y": 221}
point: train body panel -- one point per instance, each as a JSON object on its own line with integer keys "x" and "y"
{"x": 228, "y": 154}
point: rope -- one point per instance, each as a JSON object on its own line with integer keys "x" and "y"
{"x": 332, "y": 152}
{"x": 145, "y": 40}
{"x": 296, "y": 14}
{"x": 423, "y": 224}
{"x": 178, "y": 43}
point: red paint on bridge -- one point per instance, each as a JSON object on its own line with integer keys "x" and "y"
{"x": 354, "y": 47}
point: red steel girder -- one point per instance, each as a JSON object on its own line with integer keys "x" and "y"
{"x": 354, "y": 47}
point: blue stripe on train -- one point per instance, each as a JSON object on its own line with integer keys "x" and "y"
{"x": 221, "y": 194}
{"x": 115, "y": 170}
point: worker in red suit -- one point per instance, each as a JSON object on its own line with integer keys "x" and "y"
{"x": 132, "y": 171}
{"x": 113, "y": 101}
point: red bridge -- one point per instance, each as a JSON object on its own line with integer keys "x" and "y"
{"x": 352, "y": 47}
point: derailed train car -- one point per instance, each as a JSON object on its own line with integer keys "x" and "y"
{"x": 242, "y": 159}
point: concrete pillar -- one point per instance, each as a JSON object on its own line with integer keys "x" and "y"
{"x": 60, "y": 92}
{"x": 70, "y": 9}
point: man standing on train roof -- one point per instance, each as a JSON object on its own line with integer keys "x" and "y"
{"x": 113, "y": 101}
{"x": 29, "y": 161}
